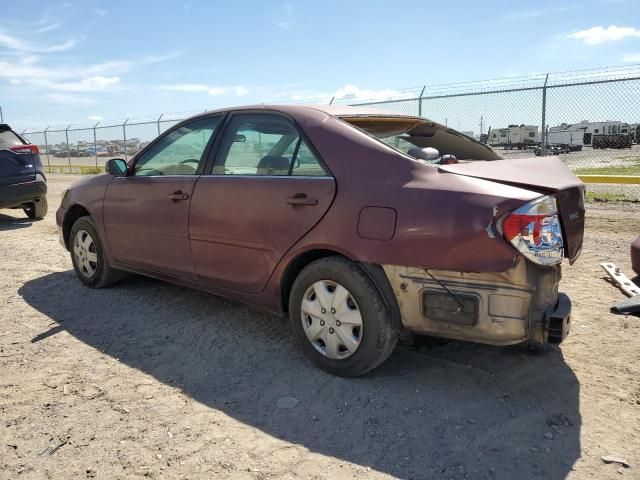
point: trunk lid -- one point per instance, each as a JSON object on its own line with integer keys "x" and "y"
{"x": 544, "y": 175}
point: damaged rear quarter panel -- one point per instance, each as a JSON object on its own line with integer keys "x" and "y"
{"x": 442, "y": 219}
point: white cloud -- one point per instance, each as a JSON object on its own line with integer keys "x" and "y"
{"x": 631, "y": 58}
{"x": 99, "y": 82}
{"x": 351, "y": 92}
{"x": 534, "y": 13}
{"x": 87, "y": 84}
{"x": 185, "y": 87}
{"x": 48, "y": 28}
{"x": 29, "y": 70}
{"x": 14, "y": 43}
{"x": 238, "y": 90}
{"x": 68, "y": 99}
{"x": 241, "y": 91}
{"x": 599, "y": 34}
{"x": 288, "y": 20}
{"x": 95, "y": 118}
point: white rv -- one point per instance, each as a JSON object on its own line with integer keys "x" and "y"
{"x": 566, "y": 134}
{"x": 518, "y": 136}
{"x": 570, "y": 133}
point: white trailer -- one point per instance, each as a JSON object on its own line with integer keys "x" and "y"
{"x": 565, "y": 134}
{"x": 514, "y": 136}
{"x": 588, "y": 129}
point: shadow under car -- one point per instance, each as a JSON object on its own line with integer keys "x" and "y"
{"x": 439, "y": 409}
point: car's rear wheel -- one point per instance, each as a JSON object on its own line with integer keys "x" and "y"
{"x": 87, "y": 255}
{"x": 340, "y": 319}
{"x": 37, "y": 210}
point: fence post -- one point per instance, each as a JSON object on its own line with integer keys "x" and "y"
{"x": 543, "y": 131}
{"x": 124, "y": 137}
{"x": 66, "y": 135}
{"x": 159, "y": 123}
{"x": 420, "y": 101}
{"x": 46, "y": 146}
{"x": 95, "y": 144}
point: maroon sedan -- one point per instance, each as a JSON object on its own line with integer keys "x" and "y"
{"x": 321, "y": 214}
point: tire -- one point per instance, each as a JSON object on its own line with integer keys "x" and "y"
{"x": 376, "y": 336}
{"x": 89, "y": 263}
{"x": 37, "y": 210}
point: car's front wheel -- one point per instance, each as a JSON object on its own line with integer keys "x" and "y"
{"x": 87, "y": 255}
{"x": 340, "y": 319}
{"x": 37, "y": 210}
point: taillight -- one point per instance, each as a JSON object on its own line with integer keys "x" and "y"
{"x": 29, "y": 148}
{"x": 534, "y": 229}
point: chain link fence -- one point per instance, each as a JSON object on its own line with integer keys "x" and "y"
{"x": 590, "y": 118}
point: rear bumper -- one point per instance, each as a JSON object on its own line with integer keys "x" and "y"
{"x": 18, "y": 194}
{"x": 502, "y": 308}
{"x": 635, "y": 255}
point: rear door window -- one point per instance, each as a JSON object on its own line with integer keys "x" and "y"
{"x": 268, "y": 145}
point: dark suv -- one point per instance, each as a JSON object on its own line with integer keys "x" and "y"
{"x": 22, "y": 180}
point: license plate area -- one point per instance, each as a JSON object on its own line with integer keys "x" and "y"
{"x": 441, "y": 306}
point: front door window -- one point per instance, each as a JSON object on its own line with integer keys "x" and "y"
{"x": 179, "y": 152}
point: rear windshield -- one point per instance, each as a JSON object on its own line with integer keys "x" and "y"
{"x": 410, "y": 135}
{"x": 8, "y": 139}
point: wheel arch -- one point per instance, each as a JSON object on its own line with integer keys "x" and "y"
{"x": 74, "y": 213}
{"x": 373, "y": 270}
{"x": 295, "y": 266}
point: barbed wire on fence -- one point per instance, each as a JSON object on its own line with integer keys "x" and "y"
{"x": 589, "y": 117}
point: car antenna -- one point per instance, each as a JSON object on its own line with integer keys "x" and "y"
{"x": 455, "y": 297}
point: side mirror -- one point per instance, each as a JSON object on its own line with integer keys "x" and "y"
{"x": 116, "y": 167}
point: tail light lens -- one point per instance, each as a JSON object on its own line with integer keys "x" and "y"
{"x": 535, "y": 230}
{"x": 29, "y": 148}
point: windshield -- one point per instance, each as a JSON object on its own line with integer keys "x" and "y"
{"x": 412, "y": 135}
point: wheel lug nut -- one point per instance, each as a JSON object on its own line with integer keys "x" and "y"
{"x": 333, "y": 310}
{"x": 338, "y": 323}
{"x": 323, "y": 311}
{"x": 331, "y": 330}
{"x": 322, "y": 323}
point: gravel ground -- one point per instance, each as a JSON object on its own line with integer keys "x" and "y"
{"x": 147, "y": 379}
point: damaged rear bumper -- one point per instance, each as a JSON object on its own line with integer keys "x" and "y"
{"x": 499, "y": 308}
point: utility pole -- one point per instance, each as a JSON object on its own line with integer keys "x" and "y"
{"x": 1, "y": 117}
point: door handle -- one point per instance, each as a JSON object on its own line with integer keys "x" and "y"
{"x": 302, "y": 199}
{"x": 179, "y": 195}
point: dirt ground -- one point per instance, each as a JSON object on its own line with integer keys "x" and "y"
{"x": 147, "y": 379}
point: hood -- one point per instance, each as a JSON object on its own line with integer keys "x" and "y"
{"x": 542, "y": 174}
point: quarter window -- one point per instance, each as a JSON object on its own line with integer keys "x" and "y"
{"x": 267, "y": 145}
{"x": 306, "y": 164}
{"x": 179, "y": 152}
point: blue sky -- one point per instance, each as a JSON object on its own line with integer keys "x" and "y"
{"x": 83, "y": 61}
